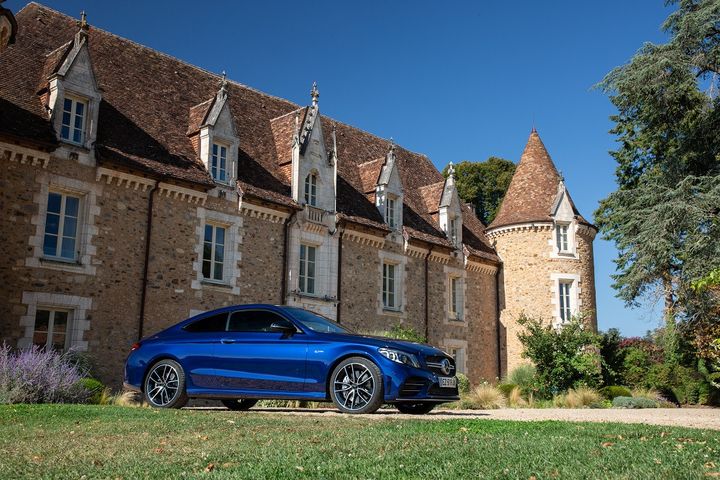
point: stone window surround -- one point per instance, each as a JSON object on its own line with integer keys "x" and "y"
{"x": 400, "y": 261}
{"x": 449, "y": 343}
{"x": 88, "y": 193}
{"x": 208, "y": 137}
{"x": 575, "y": 290}
{"x": 233, "y": 240}
{"x": 325, "y": 265}
{"x": 571, "y": 254}
{"x": 77, "y": 320}
{"x": 448, "y": 317}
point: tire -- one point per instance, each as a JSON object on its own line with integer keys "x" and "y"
{"x": 420, "y": 408}
{"x": 238, "y": 404}
{"x": 356, "y": 386}
{"x": 164, "y": 385}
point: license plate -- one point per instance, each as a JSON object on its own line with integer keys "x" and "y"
{"x": 447, "y": 382}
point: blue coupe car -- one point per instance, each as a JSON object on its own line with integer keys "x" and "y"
{"x": 246, "y": 353}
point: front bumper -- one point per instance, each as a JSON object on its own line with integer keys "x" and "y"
{"x": 408, "y": 384}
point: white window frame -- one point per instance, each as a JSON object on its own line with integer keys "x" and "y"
{"x": 562, "y": 237}
{"x": 304, "y": 264}
{"x": 52, "y": 311}
{"x": 400, "y": 263}
{"x": 452, "y": 231}
{"x": 456, "y": 298}
{"x": 74, "y": 102}
{"x": 390, "y": 286}
{"x": 216, "y": 160}
{"x": 213, "y": 250}
{"x": 452, "y": 347}
{"x": 310, "y": 195}
{"x": 558, "y": 282}
{"x": 233, "y": 238}
{"x": 78, "y": 322}
{"x": 57, "y": 256}
{"x": 455, "y": 314}
{"x": 391, "y": 211}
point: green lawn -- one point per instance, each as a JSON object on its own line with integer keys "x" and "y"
{"x": 67, "y": 441}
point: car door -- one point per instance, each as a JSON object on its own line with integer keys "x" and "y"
{"x": 196, "y": 348}
{"x": 254, "y": 360}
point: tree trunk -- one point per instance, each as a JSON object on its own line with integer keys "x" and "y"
{"x": 670, "y": 336}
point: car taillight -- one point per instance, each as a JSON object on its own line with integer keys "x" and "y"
{"x": 135, "y": 346}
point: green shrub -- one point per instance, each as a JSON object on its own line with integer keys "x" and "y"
{"x": 612, "y": 391}
{"x": 524, "y": 377}
{"x": 565, "y": 357}
{"x": 402, "y": 332}
{"x": 463, "y": 383}
{"x": 635, "y": 366}
{"x": 506, "y": 388}
{"x": 95, "y": 390}
{"x": 633, "y": 402}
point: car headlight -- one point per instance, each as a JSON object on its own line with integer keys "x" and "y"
{"x": 399, "y": 357}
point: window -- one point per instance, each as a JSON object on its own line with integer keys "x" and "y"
{"x": 254, "y": 321}
{"x": 51, "y": 329}
{"x": 307, "y": 269}
{"x": 311, "y": 190}
{"x": 561, "y": 233}
{"x": 218, "y": 164}
{"x": 215, "y": 323}
{"x": 213, "y": 252}
{"x": 390, "y": 212}
{"x": 61, "y": 226}
{"x": 456, "y": 298}
{"x": 458, "y": 355}
{"x": 72, "y": 127}
{"x": 453, "y": 231}
{"x": 389, "y": 293}
{"x": 564, "y": 294}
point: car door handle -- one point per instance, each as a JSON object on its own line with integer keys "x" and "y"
{"x": 227, "y": 340}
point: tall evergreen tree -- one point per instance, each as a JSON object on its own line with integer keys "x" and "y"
{"x": 664, "y": 215}
{"x": 483, "y": 184}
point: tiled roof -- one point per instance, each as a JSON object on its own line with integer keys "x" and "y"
{"x": 153, "y": 103}
{"x": 533, "y": 188}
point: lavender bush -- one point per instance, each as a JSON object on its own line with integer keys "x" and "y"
{"x": 38, "y": 375}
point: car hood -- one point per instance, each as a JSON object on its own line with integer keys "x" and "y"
{"x": 404, "y": 345}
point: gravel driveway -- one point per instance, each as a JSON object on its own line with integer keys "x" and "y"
{"x": 674, "y": 417}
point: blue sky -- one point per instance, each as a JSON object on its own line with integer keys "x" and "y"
{"x": 455, "y": 80}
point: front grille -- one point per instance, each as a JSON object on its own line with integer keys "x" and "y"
{"x": 435, "y": 390}
{"x": 412, "y": 387}
{"x": 434, "y": 363}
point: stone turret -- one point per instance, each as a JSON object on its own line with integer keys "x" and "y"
{"x": 8, "y": 27}
{"x": 546, "y": 246}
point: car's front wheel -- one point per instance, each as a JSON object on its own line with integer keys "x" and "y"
{"x": 356, "y": 386}
{"x": 239, "y": 403}
{"x": 165, "y": 385}
{"x": 420, "y": 408}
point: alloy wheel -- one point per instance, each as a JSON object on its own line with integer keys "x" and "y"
{"x": 354, "y": 386}
{"x": 162, "y": 385}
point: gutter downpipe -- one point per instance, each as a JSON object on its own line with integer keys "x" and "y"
{"x": 497, "y": 321}
{"x": 427, "y": 295}
{"x": 339, "y": 275}
{"x": 286, "y": 242}
{"x": 148, "y": 234}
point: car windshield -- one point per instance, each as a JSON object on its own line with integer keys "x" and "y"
{"x": 317, "y": 323}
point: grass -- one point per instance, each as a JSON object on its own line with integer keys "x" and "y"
{"x": 73, "y": 441}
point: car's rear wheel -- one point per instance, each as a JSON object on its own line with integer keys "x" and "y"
{"x": 239, "y": 403}
{"x": 419, "y": 408}
{"x": 165, "y": 385}
{"x": 356, "y": 386}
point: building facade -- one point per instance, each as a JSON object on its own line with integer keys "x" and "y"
{"x": 137, "y": 190}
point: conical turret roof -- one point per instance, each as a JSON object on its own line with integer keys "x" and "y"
{"x": 533, "y": 189}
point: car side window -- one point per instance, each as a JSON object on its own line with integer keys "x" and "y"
{"x": 254, "y": 321}
{"x": 214, "y": 323}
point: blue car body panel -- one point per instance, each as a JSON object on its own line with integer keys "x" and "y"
{"x": 273, "y": 365}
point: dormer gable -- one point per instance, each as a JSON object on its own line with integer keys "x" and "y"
{"x": 389, "y": 191}
{"x": 314, "y": 168}
{"x": 449, "y": 211}
{"x": 212, "y": 131}
{"x": 564, "y": 223}
{"x": 73, "y": 95}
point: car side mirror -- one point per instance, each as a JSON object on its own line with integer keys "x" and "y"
{"x": 286, "y": 329}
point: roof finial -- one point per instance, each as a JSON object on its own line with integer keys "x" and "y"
{"x": 314, "y": 94}
{"x": 223, "y": 82}
{"x": 451, "y": 170}
{"x": 83, "y": 20}
{"x": 392, "y": 145}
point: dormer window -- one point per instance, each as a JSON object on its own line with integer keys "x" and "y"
{"x": 561, "y": 236}
{"x": 218, "y": 166}
{"x": 453, "y": 231}
{"x": 74, "y": 113}
{"x": 311, "y": 190}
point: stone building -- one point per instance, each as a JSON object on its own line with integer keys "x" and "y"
{"x": 137, "y": 190}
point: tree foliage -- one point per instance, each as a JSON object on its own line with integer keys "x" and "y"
{"x": 483, "y": 184}
{"x": 664, "y": 215}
